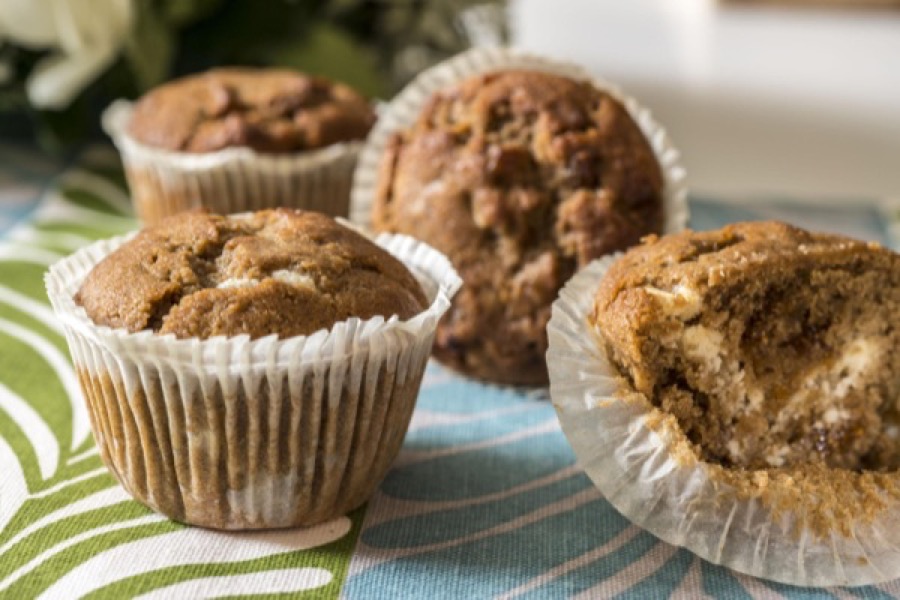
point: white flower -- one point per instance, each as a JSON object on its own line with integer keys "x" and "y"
{"x": 84, "y": 37}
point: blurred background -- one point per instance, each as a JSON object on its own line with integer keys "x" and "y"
{"x": 798, "y": 98}
{"x": 63, "y": 61}
{"x": 762, "y": 98}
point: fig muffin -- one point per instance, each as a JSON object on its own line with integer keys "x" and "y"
{"x": 521, "y": 177}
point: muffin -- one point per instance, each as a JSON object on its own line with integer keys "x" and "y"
{"x": 521, "y": 177}
{"x": 237, "y": 139}
{"x": 770, "y": 345}
{"x": 252, "y": 371}
{"x": 737, "y": 392}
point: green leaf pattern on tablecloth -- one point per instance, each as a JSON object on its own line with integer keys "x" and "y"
{"x": 66, "y": 527}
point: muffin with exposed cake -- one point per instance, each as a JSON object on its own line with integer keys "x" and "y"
{"x": 770, "y": 345}
{"x": 737, "y": 392}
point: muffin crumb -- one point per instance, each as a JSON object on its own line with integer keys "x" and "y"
{"x": 774, "y": 352}
{"x": 766, "y": 354}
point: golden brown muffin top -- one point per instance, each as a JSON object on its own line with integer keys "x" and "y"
{"x": 268, "y": 110}
{"x": 704, "y": 259}
{"x": 287, "y": 272}
{"x": 520, "y": 178}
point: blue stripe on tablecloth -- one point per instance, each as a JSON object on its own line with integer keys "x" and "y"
{"x": 863, "y": 220}
{"x": 485, "y": 499}
{"x": 24, "y": 176}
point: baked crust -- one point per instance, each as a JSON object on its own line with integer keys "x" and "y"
{"x": 268, "y": 110}
{"x": 287, "y": 272}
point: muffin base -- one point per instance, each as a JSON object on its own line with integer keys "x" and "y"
{"x": 276, "y": 456}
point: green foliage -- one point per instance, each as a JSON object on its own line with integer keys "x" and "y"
{"x": 375, "y": 46}
{"x": 331, "y": 51}
{"x": 150, "y": 51}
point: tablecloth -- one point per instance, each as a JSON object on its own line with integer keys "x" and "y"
{"x": 485, "y": 500}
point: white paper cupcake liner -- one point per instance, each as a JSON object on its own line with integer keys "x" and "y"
{"x": 232, "y": 180}
{"x": 233, "y": 433}
{"x": 632, "y": 460}
{"x": 405, "y": 108}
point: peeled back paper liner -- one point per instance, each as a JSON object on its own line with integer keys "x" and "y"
{"x": 232, "y": 180}
{"x": 639, "y": 467}
{"x": 233, "y": 433}
{"x": 404, "y": 109}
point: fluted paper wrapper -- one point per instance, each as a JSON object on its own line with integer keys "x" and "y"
{"x": 233, "y": 433}
{"x": 232, "y": 180}
{"x": 405, "y": 108}
{"x": 634, "y": 463}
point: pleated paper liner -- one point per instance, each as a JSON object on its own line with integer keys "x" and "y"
{"x": 233, "y": 433}
{"x": 642, "y": 463}
{"x": 232, "y": 180}
{"x": 401, "y": 112}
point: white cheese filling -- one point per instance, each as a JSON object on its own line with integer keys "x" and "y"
{"x": 682, "y": 302}
{"x": 294, "y": 278}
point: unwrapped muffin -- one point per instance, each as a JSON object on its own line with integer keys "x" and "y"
{"x": 252, "y": 371}
{"x": 737, "y": 392}
{"x": 237, "y": 139}
{"x": 521, "y": 176}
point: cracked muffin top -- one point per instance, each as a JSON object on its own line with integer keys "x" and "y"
{"x": 520, "y": 178}
{"x": 268, "y": 110}
{"x": 287, "y": 272}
